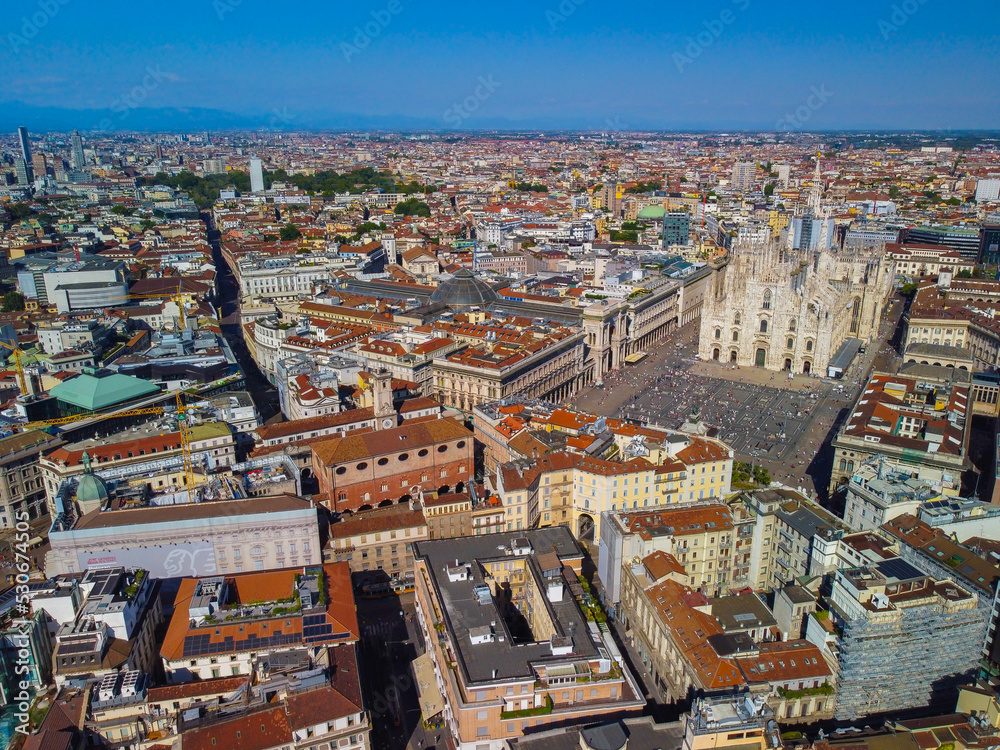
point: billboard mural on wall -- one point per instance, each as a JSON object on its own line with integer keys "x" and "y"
{"x": 192, "y": 559}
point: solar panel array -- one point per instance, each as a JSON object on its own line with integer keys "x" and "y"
{"x": 201, "y": 644}
{"x": 899, "y": 569}
{"x": 315, "y": 628}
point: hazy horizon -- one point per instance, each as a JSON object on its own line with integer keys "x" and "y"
{"x": 573, "y": 65}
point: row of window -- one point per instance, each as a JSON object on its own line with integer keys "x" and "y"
{"x": 763, "y": 329}
{"x": 259, "y": 564}
{"x": 401, "y": 457}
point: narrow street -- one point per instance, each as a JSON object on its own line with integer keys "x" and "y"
{"x": 263, "y": 393}
{"x": 390, "y": 642}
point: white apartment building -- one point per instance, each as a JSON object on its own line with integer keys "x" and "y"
{"x": 284, "y": 276}
{"x": 988, "y": 190}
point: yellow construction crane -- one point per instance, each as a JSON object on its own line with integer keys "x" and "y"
{"x": 185, "y": 447}
{"x": 182, "y": 425}
{"x": 82, "y": 417}
{"x": 21, "y": 380}
{"x": 177, "y": 297}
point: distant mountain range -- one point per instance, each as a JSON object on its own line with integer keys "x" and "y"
{"x": 193, "y": 119}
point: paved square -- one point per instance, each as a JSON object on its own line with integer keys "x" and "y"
{"x": 757, "y": 421}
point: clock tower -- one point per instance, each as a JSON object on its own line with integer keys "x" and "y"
{"x": 385, "y": 413}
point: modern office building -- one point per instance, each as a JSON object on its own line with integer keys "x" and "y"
{"x": 93, "y": 282}
{"x": 23, "y": 170}
{"x": 966, "y": 240}
{"x": 256, "y": 175}
{"x": 810, "y": 233}
{"x": 76, "y": 158}
{"x": 989, "y": 245}
{"x": 987, "y": 190}
{"x": 676, "y": 228}
{"x": 22, "y": 138}
{"x": 744, "y": 175}
{"x": 25, "y": 654}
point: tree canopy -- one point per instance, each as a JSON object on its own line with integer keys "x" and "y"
{"x": 19, "y": 211}
{"x": 645, "y": 187}
{"x": 289, "y": 232}
{"x": 205, "y": 190}
{"x": 13, "y": 302}
{"x": 412, "y": 207}
{"x": 530, "y": 187}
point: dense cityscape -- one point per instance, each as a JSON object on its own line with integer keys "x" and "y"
{"x": 499, "y": 440}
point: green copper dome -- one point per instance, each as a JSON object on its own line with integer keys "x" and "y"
{"x": 90, "y": 488}
{"x": 652, "y": 212}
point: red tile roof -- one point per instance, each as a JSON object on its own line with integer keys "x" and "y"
{"x": 267, "y": 586}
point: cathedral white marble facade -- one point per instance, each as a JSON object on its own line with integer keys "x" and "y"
{"x": 790, "y": 310}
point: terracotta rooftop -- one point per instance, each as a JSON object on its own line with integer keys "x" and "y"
{"x": 265, "y": 586}
{"x": 302, "y": 426}
{"x": 411, "y": 435}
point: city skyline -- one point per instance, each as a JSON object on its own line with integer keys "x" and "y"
{"x": 734, "y": 65}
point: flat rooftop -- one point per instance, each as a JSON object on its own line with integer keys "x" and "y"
{"x": 467, "y": 615}
{"x": 741, "y": 612}
{"x": 843, "y": 357}
{"x": 234, "y": 509}
{"x": 641, "y": 733}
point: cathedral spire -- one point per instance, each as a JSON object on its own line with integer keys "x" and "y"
{"x": 815, "y": 195}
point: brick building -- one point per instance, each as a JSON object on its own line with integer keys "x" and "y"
{"x": 394, "y": 465}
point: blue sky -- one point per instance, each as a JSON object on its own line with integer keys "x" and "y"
{"x": 722, "y": 64}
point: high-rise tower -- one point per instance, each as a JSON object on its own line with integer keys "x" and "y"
{"x": 22, "y": 137}
{"x": 76, "y": 158}
{"x": 256, "y": 175}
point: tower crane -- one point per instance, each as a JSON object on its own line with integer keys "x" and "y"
{"x": 182, "y": 425}
{"x": 21, "y": 380}
{"x": 81, "y": 417}
{"x": 177, "y": 297}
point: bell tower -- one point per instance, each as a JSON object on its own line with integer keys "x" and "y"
{"x": 385, "y": 413}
